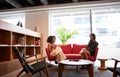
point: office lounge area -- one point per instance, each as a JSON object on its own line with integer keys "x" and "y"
{"x": 38, "y": 22}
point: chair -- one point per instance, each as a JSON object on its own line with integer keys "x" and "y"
{"x": 93, "y": 58}
{"x": 50, "y": 58}
{"x": 33, "y": 68}
{"x": 115, "y": 69}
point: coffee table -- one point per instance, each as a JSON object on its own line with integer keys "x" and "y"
{"x": 87, "y": 63}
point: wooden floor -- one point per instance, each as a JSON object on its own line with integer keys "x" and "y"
{"x": 71, "y": 72}
{"x": 68, "y": 72}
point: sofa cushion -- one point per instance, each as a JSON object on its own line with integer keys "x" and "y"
{"x": 77, "y": 48}
{"x": 66, "y": 48}
{"x": 72, "y": 56}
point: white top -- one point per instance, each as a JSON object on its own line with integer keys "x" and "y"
{"x": 74, "y": 62}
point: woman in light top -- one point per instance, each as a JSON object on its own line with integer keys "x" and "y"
{"x": 90, "y": 49}
{"x": 55, "y": 50}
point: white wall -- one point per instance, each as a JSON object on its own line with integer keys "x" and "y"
{"x": 39, "y": 20}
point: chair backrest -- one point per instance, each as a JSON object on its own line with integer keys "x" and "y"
{"x": 96, "y": 53}
{"x": 27, "y": 68}
{"x": 50, "y": 58}
{"x": 93, "y": 58}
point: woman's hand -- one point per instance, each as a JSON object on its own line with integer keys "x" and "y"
{"x": 55, "y": 46}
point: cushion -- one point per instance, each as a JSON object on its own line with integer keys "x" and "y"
{"x": 77, "y": 48}
{"x": 30, "y": 67}
{"x": 112, "y": 69}
{"x": 66, "y": 48}
{"x": 38, "y": 66}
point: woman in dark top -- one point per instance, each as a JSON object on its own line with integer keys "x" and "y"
{"x": 90, "y": 49}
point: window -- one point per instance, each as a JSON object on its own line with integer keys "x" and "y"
{"x": 73, "y": 21}
{"x": 103, "y": 22}
{"x": 106, "y": 26}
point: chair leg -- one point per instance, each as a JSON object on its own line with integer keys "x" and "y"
{"x": 47, "y": 72}
{"x": 46, "y": 69}
{"x": 40, "y": 74}
{"x": 20, "y": 73}
{"x": 29, "y": 74}
{"x": 115, "y": 69}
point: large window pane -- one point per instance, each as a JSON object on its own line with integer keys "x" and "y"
{"x": 77, "y": 20}
{"x": 106, "y": 26}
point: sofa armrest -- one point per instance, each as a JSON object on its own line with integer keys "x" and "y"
{"x": 92, "y": 58}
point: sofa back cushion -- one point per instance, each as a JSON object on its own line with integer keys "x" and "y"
{"x": 77, "y": 48}
{"x": 66, "y": 48}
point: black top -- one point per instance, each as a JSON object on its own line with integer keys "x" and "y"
{"x": 91, "y": 47}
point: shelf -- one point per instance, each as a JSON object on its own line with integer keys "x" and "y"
{"x": 17, "y": 45}
{"x": 21, "y": 49}
{"x": 29, "y": 40}
{"x": 18, "y": 39}
{"x": 7, "y": 37}
{"x": 25, "y": 40}
{"x": 30, "y": 45}
{"x": 37, "y": 41}
{"x": 13, "y": 28}
{"x": 30, "y": 51}
{"x": 37, "y": 50}
{"x": 6, "y": 52}
{"x": 37, "y": 46}
{"x": 4, "y": 45}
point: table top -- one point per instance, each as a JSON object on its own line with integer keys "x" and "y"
{"x": 104, "y": 59}
{"x": 76, "y": 62}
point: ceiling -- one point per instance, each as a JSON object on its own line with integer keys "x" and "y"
{"x": 11, "y": 4}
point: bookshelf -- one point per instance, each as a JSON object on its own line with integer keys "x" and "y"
{"x": 29, "y": 43}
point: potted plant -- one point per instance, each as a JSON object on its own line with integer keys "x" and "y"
{"x": 65, "y": 34}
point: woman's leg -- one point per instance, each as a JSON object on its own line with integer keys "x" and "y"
{"x": 82, "y": 56}
{"x": 82, "y": 53}
{"x": 55, "y": 54}
{"x": 61, "y": 55}
{"x": 58, "y": 57}
{"x": 86, "y": 54}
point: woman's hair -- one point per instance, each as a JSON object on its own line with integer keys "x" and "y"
{"x": 50, "y": 38}
{"x": 93, "y": 35}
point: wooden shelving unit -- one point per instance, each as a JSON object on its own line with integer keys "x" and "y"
{"x": 11, "y": 36}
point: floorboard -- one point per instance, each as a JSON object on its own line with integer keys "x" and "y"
{"x": 70, "y": 71}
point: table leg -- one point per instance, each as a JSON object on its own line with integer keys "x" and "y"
{"x": 77, "y": 68}
{"x": 90, "y": 70}
{"x": 60, "y": 70}
{"x": 102, "y": 66}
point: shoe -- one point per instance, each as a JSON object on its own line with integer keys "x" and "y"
{"x": 56, "y": 62}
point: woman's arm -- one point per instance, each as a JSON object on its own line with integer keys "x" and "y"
{"x": 50, "y": 48}
{"x": 88, "y": 45}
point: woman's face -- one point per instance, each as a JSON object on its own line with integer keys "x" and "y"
{"x": 53, "y": 40}
{"x": 91, "y": 37}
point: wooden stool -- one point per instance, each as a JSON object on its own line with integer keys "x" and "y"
{"x": 102, "y": 64}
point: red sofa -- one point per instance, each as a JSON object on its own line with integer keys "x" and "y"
{"x": 72, "y": 52}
